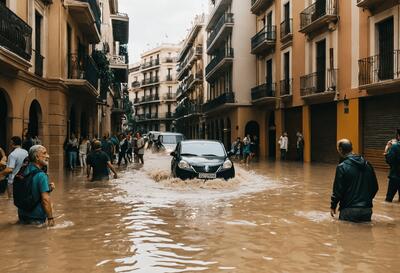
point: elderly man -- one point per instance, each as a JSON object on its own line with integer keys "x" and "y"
{"x": 41, "y": 188}
{"x": 355, "y": 186}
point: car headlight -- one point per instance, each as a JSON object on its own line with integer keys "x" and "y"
{"x": 183, "y": 165}
{"x": 227, "y": 164}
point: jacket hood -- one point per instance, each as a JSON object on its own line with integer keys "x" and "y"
{"x": 356, "y": 160}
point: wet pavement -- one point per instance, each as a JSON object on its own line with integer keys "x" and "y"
{"x": 273, "y": 217}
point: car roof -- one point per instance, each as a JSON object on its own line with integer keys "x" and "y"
{"x": 171, "y": 133}
{"x": 200, "y": 141}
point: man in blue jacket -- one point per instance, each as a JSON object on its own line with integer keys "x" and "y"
{"x": 355, "y": 186}
{"x": 392, "y": 155}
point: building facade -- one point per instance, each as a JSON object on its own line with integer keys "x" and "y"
{"x": 192, "y": 89}
{"x": 50, "y": 83}
{"x": 154, "y": 87}
{"x": 230, "y": 70}
{"x": 326, "y": 68}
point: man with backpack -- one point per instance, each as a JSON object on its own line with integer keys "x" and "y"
{"x": 32, "y": 189}
{"x": 14, "y": 162}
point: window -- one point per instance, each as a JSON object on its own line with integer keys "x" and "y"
{"x": 169, "y": 90}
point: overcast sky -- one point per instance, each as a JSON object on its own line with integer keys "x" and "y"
{"x": 153, "y": 22}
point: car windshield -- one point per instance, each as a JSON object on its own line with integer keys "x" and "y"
{"x": 203, "y": 149}
{"x": 171, "y": 139}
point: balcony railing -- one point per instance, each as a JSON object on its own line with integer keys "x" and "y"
{"x": 118, "y": 105}
{"x": 136, "y": 100}
{"x": 169, "y": 60}
{"x": 379, "y": 68}
{"x": 38, "y": 64}
{"x": 94, "y": 6}
{"x": 152, "y": 80}
{"x": 320, "y": 9}
{"x": 151, "y": 63}
{"x": 228, "y": 53}
{"x": 168, "y": 78}
{"x": 83, "y": 68}
{"x": 170, "y": 96}
{"x": 319, "y": 82}
{"x": 226, "y": 18}
{"x": 228, "y": 97}
{"x": 286, "y": 28}
{"x": 135, "y": 84}
{"x": 15, "y": 34}
{"x": 186, "y": 109}
{"x": 286, "y": 86}
{"x": 266, "y": 90}
{"x": 267, "y": 35}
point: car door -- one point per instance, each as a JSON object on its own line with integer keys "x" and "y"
{"x": 175, "y": 160}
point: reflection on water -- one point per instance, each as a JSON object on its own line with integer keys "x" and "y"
{"x": 270, "y": 218}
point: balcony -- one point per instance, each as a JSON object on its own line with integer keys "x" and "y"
{"x": 169, "y": 60}
{"x": 221, "y": 60}
{"x": 226, "y": 98}
{"x": 82, "y": 74}
{"x": 380, "y": 71}
{"x": 150, "y": 81}
{"x": 220, "y": 7}
{"x": 374, "y": 5}
{"x": 136, "y": 101}
{"x": 286, "y": 88}
{"x": 120, "y": 25}
{"x": 118, "y": 61}
{"x": 169, "y": 97}
{"x": 319, "y": 86}
{"x": 38, "y": 64}
{"x": 264, "y": 93}
{"x": 169, "y": 78}
{"x": 118, "y": 106}
{"x": 264, "y": 40}
{"x": 318, "y": 15}
{"x": 193, "y": 55}
{"x": 286, "y": 30}
{"x": 258, "y": 6}
{"x": 87, "y": 14}
{"x": 151, "y": 64}
{"x": 186, "y": 110}
{"x": 220, "y": 31}
{"x": 15, "y": 40}
{"x": 135, "y": 84}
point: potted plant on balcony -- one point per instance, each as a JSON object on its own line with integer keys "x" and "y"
{"x": 105, "y": 73}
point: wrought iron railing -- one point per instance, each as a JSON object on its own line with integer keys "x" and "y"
{"x": 266, "y": 90}
{"x": 135, "y": 84}
{"x": 379, "y": 68}
{"x": 94, "y": 6}
{"x": 151, "y": 63}
{"x": 169, "y": 78}
{"x": 226, "y": 18}
{"x": 15, "y": 34}
{"x": 286, "y": 87}
{"x": 319, "y": 82}
{"x": 83, "y": 67}
{"x": 152, "y": 80}
{"x": 228, "y": 97}
{"x": 117, "y": 59}
{"x": 38, "y": 64}
{"x": 317, "y": 10}
{"x": 286, "y": 28}
{"x": 226, "y": 53}
{"x": 170, "y": 96}
{"x": 267, "y": 34}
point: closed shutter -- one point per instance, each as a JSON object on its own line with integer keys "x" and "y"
{"x": 381, "y": 118}
{"x": 323, "y": 133}
{"x": 293, "y": 124}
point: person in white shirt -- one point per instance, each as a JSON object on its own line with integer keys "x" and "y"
{"x": 83, "y": 150}
{"x": 284, "y": 144}
{"x": 14, "y": 162}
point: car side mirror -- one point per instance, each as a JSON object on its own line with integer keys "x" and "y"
{"x": 173, "y": 154}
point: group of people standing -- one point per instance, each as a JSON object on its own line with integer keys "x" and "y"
{"x": 246, "y": 149}
{"x": 283, "y": 143}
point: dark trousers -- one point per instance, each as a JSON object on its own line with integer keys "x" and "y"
{"x": 129, "y": 154}
{"x": 122, "y": 155}
{"x": 356, "y": 215}
{"x": 140, "y": 157}
{"x": 393, "y": 187}
{"x": 300, "y": 154}
{"x": 283, "y": 154}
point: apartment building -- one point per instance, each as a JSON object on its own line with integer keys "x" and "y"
{"x": 49, "y": 78}
{"x": 155, "y": 98}
{"x": 230, "y": 71}
{"x": 328, "y": 69}
{"x": 192, "y": 89}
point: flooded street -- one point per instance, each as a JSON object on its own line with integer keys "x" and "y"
{"x": 272, "y": 218}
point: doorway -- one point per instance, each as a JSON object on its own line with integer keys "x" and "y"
{"x": 321, "y": 65}
{"x": 271, "y": 136}
{"x": 3, "y": 123}
{"x": 35, "y": 118}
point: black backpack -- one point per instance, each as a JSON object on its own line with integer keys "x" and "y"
{"x": 22, "y": 190}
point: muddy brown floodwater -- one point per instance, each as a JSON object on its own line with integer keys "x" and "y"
{"x": 271, "y": 218}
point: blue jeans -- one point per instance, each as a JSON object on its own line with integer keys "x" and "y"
{"x": 72, "y": 159}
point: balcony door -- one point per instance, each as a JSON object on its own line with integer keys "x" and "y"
{"x": 286, "y": 14}
{"x": 268, "y": 76}
{"x": 321, "y": 66}
{"x": 320, "y": 9}
{"x": 286, "y": 71}
{"x": 386, "y": 49}
{"x": 268, "y": 25}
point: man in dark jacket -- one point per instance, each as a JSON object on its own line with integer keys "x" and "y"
{"x": 392, "y": 154}
{"x": 355, "y": 186}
